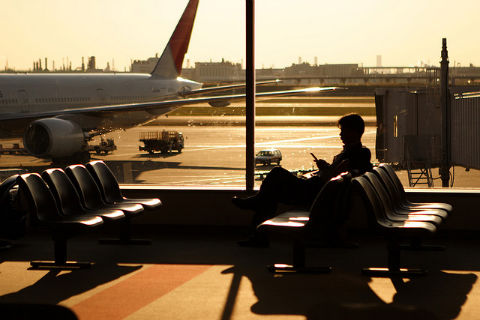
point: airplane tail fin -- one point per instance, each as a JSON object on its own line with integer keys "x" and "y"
{"x": 170, "y": 63}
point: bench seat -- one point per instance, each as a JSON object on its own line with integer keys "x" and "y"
{"x": 394, "y": 231}
{"x": 400, "y": 196}
{"x": 304, "y": 225}
{"x": 43, "y": 208}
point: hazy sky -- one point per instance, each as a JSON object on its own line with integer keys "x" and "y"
{"x": 404, "y": 32}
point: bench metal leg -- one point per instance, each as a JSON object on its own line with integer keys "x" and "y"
{"x": 126, "y": 235}
{"x": 418, "y": 245}
{"x": 393, "y": 269}
{"x": 288, "y": 268}
{"x": 298, "y": 262}
{"x": 298, "y": 253}
{"x": 401, "y": 272}
{"x": 60, "y": 253}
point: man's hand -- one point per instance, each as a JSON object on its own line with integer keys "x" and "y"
{"x": 322, "y": 164}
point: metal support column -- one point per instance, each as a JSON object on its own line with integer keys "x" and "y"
{"x": 250, "y": 96}
{"x": 445, "y": 107}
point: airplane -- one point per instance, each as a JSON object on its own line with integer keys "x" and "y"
{"x": 58, "y": 114}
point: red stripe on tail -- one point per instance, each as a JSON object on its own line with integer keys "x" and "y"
{"x": 181, "y": 36}
{"x": 169, "y": 65}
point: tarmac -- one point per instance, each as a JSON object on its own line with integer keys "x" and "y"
{"x": 259, "y": 121}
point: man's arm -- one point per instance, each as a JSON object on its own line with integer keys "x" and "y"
{"x": 362, "y": 162}
{"x": 322, "y": 164}
{"x": 326, "y": 169}
{"x": 343, "y": 166}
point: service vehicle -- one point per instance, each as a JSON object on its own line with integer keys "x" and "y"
{"x": 14, "y": 149}
{"x": 163, "y": 141}
{"x": 105, "y": 146}
{"x": 268, "y": 156}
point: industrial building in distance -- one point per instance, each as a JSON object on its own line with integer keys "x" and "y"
{"x": 298, "y": 74}
{"x": 304, "y": 73}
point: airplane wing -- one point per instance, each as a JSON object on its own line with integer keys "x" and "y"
{"x": 11, "y": 124}
{"x": 156, "y": 107}
{"x": 187, "y": 93}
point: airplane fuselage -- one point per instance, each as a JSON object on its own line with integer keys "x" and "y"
{"x": 40, "y": 93}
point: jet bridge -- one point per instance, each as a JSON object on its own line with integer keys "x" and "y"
{"x": 409, "y": 131}
{"x": 465, "y": 130}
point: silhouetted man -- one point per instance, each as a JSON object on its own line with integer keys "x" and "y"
{"x": 281, "y": 186}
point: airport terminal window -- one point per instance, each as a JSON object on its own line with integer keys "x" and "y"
{"x": 350, "y": 56}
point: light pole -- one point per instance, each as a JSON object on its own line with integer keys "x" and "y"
{"x": 445, "y": 107}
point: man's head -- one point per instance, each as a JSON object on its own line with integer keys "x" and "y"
{"x": 351, "y": 127}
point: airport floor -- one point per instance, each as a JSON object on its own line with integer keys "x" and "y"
{"x": 193, "y": 274}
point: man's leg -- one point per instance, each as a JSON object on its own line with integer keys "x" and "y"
{"x": 280, "y": 185}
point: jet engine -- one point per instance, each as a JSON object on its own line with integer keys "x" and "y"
{"x": 219, "y": 103}
{"x": 54, "y": 138}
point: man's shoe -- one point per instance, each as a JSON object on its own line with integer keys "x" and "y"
{"x": 250, "y": 203}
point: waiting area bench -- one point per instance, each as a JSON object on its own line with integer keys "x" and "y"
{"x": 402, "y": 228}
{"x": 314, "y": 226}
{"x": 385, "y": 206}
{"x": 68, "y": 203}
{"x": 42, "y": 206}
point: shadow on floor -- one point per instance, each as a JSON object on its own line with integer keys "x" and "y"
{"x": 56, "y": 286}
{"x": 342, "y": 294}
{"x": 345, "y": 296}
